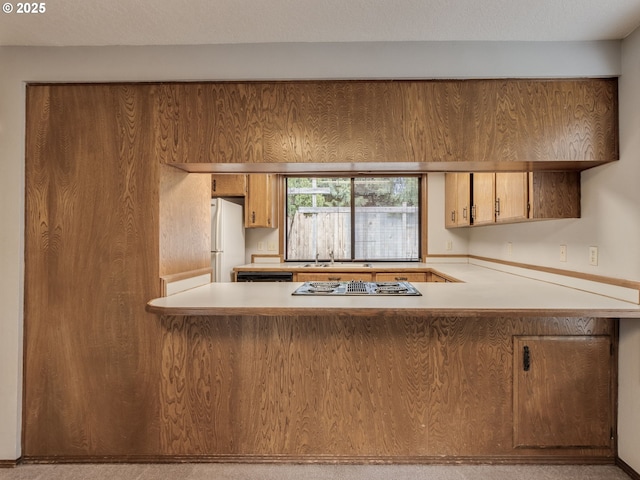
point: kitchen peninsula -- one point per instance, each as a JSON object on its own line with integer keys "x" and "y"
{"x": 475, "y": 370}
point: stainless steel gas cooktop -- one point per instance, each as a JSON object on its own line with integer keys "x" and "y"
{"x": 357, "y": 288}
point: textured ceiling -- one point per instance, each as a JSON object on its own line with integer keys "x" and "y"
{"x": 192, "y": 22}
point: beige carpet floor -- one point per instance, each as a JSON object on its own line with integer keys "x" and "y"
{"x": 311, "y": 472}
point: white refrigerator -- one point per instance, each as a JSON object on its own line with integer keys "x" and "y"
{"x": 227, "y": 238}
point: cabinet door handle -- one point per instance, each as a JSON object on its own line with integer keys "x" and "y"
{"x": 464, "y": 213}
{"x": 497, "y": 207}
{"x": 253, "y": 217}
{"x": 214, "y": 184}
{"x": 526, "y": 359}
{"x": 473, "y": 212}
{"x": 453, "y": 215}
{"x": 334, "y": 279}
{"x": 402, "y": 279}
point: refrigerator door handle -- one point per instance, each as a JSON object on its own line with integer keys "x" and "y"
{"x": 216, "y": 220}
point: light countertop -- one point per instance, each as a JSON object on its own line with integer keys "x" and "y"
{"x": 481, "y": 292}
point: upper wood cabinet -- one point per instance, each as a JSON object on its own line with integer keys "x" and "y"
{"x": 457, "y": 198}
{"x": 512, "y": 195}
{"x": 508, "y": 197}
{"x": 260, "y": 203}
{"x": 228, "y": 185}
{"x": 483, "y": 192}
{"x": 461, "y": 122}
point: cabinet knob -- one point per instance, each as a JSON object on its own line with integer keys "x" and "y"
{"x": 497, "y": 207}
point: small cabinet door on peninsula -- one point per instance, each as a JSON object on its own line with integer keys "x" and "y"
{"x": 562, "y": 391}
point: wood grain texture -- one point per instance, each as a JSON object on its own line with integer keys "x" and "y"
{"x": 91, "y": 243}
{"x": 322, "y": 386}
{"x": 184, "y": 221}
{"x": 381, "y": 122}
{"x": 554, "y": 195}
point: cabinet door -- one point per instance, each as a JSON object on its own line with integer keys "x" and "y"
{"x": 401, "y": 277}
{"x": 450, "y": 199}
{"x": 259, "y": 209}
{"x": 562, "y": 391}
{"x": 228, "y": 185}
{"x": 457, "y": 198}
{"x": 511, "y": 196}
{"x": 484, "y": 191}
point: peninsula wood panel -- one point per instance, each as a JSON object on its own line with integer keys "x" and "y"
{"x": 294, "y": 386}
{"x": 378, "y": 122}
{"x": 342, "y": 387}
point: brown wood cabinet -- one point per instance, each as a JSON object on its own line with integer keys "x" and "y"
{"x": 261, "y": 201}
{"x": 483, "y": 206}
{"x": 509, "y": 197}
{"x": 571, "y": 123}
{"x": 512, "y": 197}
{"x": 457, "y": 199}
{"x": 374, "y": 387}
{"x": 562, "y": 391}
{"x": 333, "y": 276}
{"x": 228, "y": 185}
{"x": 401, "y": 277}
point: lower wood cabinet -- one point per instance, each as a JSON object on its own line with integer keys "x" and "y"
{"x": 333, "y": 277}
{"x": 562, "y": 391}
{"x": 401, "y": 277}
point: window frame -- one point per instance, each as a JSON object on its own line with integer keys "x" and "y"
{"x": 421, "y": 178}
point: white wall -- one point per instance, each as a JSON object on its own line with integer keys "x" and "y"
{"x": 278, "y": 61}
{"x": 625, "y": 187}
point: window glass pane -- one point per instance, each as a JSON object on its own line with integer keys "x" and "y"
{"x": 318, "y": 218}
{"x": 386, "y": 218}
{"x": 382, "y": 225}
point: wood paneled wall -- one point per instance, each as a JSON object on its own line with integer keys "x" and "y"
{"x": 92, "y": 261}
{"x": 480, "y": 121}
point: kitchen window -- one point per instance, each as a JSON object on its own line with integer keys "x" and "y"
{"x": 353, "y": 218}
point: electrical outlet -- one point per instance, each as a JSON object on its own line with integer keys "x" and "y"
{"x": 593, "y": 256}
{"x": 271, "y": 246}
{"x": 563, "y": 253}
{"x": 449, "y": 245}
{"x": 260, "y": 246}
{"x": 509, "y": 249}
